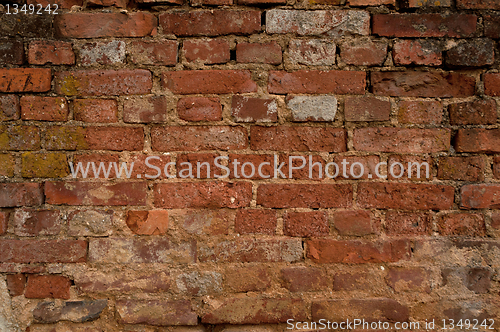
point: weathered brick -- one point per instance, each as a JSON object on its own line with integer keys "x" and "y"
{"x": 369, "y": 310}
{"x": 44, "y": 165}
{"x": 94, "y": 193}
{"x": 478, "y": 4}
{"x": 47, "y": 286}
{"x": 304, "y": 195}
{"x": 25, "y": 79}
{"x": 416, "y": 168}
{"x": 209, "y": 52}
{"x": 407, "y": 196}
{"x": 246, "y": 279}
{"x": 64, "y": 4}
{"x": 476, "y": 279}
{"x": 4, "y": 222}
{"x": 199, "y": 283}
{"x": 255, "y": 311}
{"x": 492, "y": 25}
{"x": 199, "y": 109}
{"x": 90, "y": 222}
{"x": 427, "y": 3}
{"x": 328, "y": 251}
{"x": 258, "y": 160}
{"x": 95, "y": 110}
{"x": 331, "y": 23}
{"x": 50, "y": 51}
{"x": 16, "y": 284}
{"x": 363, "y": 3}
{"x": 20, "y": 194}
{"x": 43, "y": 251}
{"x": 349, "y": 168}
{"x": 211, "y": 22}
{"x": 9, "y": 108}
{"x": 103, "y": 82}
{"x": 159, "y": 52}
{"x": 145, "y": 109}
{"x": 31, "y": 26}
{"x": 480, "y": 196}
{"x": 472, "y": 53}
{"x": 70, "y": 311}
{"x": 19, "y": 137}
{"x": 495, "y": 221}
{"x": 89, "y": 25}
{"x": 363, "y": 52}
{"x": 248, "y": 109}
{"x": 311, "y": 52}
{"x": 141, "y": 250}
{"x": 473, "y": 112}
{"x": 420, "y": 112}
{"x": 156, "y": 312}
{"x": 256, "y": 221}
{"x": 304, "y": 279}
{"x": 208, "y": 81}
{"x": 408, "y": 279}
{"x": 199, "y": 222}
{"x": 12, "y": 52}
{"x": 421, "y": 52}
{"x": 312, "y": 108}
{"x": 7, "y": 165}
{"x": 286, "y": 138}
{"x": 409, "y": 84}
{"x": 424, "y": 25}
{"x": 196, "y": 138}
{"x": 366, "y": 108}
{"x": 269, "y": 53}
{"x": 211, "y": 2}
{"x": 295, "y": 160}
{"x": 86, "y": 161}
{"x": 398, "y": 223}
{"x": 154, "y": 222}
{"x": 353, "y": 222}
{"x": 312, "y": 81}
{"x": 492, "y": 84}
{"x": 461, "y": 224}
{"x": 44, "y": 108}
{"x": 305, "y": 224}
{"x": 461, "y": 168}
{"x": 260, "y": 2}
{"x": 103, "y": 53}
{"x": 108, "y": 3}
{"x": 478, "y": 140}
{"x": 194, "y": 165}
{"x": 388, "y": 139}
{"x": 353, "y": 281}
{"x": 202, "y": 195}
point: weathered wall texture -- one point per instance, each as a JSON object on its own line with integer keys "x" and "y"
{"x": 366, "y": 80}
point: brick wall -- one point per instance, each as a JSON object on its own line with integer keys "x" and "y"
{"x": 367, "y": 81}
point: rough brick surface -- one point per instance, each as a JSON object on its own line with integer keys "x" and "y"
{"x": 44, "y": 108}
{"x": 47, "y": 286}
{"x": 245, "y": 109}
{"x": 25, "y": 80}
{"x": 269, "y": 53}
{"x": 209, "y": 81}
{"x": 366, "y": 109}
{"x": 478, "y": 140}
{"x": 213, "y": 51}
{"x": 161, "y": 53}
{"x": 54, "y": 52}
{"x": 419, "y": 52}
{"x": 199, "y": 109}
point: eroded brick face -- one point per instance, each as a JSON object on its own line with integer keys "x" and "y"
{"x": 229, "y": 165}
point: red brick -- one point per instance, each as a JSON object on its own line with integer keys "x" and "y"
{"x": 19, "y": 137}
{"x": 43, "y": 251}
{"x": 209, "y": 52}
{"x": 175, "y": 2}
{"x": 154, "y": 222}
{"x": 193, "y": 165}
{"x": 254, "y": 159}
{"x": 461, "y": 168}
{"x": 269, "y": 53}
{"x": 353, "y": 281}
{"x": 472, "y": 53}
{"x": 311, "y": 52}
{"x": 298, "y": 174}
{"x": 420, "y": 112}
{"x": 47, "y": 286}
{"x": 158, "y": 53}
{"x": 409, "y": 84}
{"x": 355, "y": 222}
{"x": 405, "y": 196}
{"x": 406, "y": 140}
{"x": 108, "y": 3}
{"x": 211, "y": 22}
{"x": 327, "y": 251}
{"x": 256, "y": 221}
{"x": 199, "y": 283}
{"x": 63, "y": 4}
{"x": 50, "y": 51}
{"x": 408, "y": 279}
{"x": 16, "y": 284}
{"x": 247, "y": 109}
{"x": 417, "y": 52}
{"x": 304, "y": 195}
{"x": 202, "y": 195}
{"x": 477, "y": 280}
{"x": 492, "y": 25}
{"x": 305, "y": 224}
{"x": 492, "y": 84}
{"x": 156, "y": 312}
{"x": 12, "y": 52}
{"x": 304, "y": 279}
{"x": 398, "y": 223}
{"x": 371, "y": 2}
{"x": 9, "y": 108}
{"x": 366, "y": 310}
{"x": 246, "y": 279}
{"x": 424, "y": 25}
{"x": 480, "y": 196}
{"x": 7, "y": 165}
{"x": 196, "y": 138}
{"x": 363, "y": 52}
{"x": 419, "y": 171}
{"x": 95, "y": 158}
{"x": 260, "y": 2}
{"x": 495, "y": 220}
{"x": 153, "y": 109}
{"x": 90, "y": 222}
{"x": 142, "y": 170}
{"x": 103, "y": 82}
{"x": 427, "y": 3}
{"x": 211, "y": 222}
{"x": 95, "y": 110}
{"x": 199, "y": 109}
{"x": 461, "y": 224}
{"x": 103, "y": 53}
{"x": 95, "y": 193}
{"x": 286, "y": 138}
{"x": 25, "y": 79}
{"x": 4, "y": 222}
{"x": 89, "y": 25}
{"x": 311, "y": 81}
{"x": 211, "y": 2}
{"x": 44, "y": 108}
{"x": 20, "y": 194}
{"x": 366, "y": 108}
{"x": 208, "y": 81}
{"x": 478, "y": 140}
{"x": 29, "y": 222}
{"x": 496, "y": 167}
{"x": 478, "y": 4}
